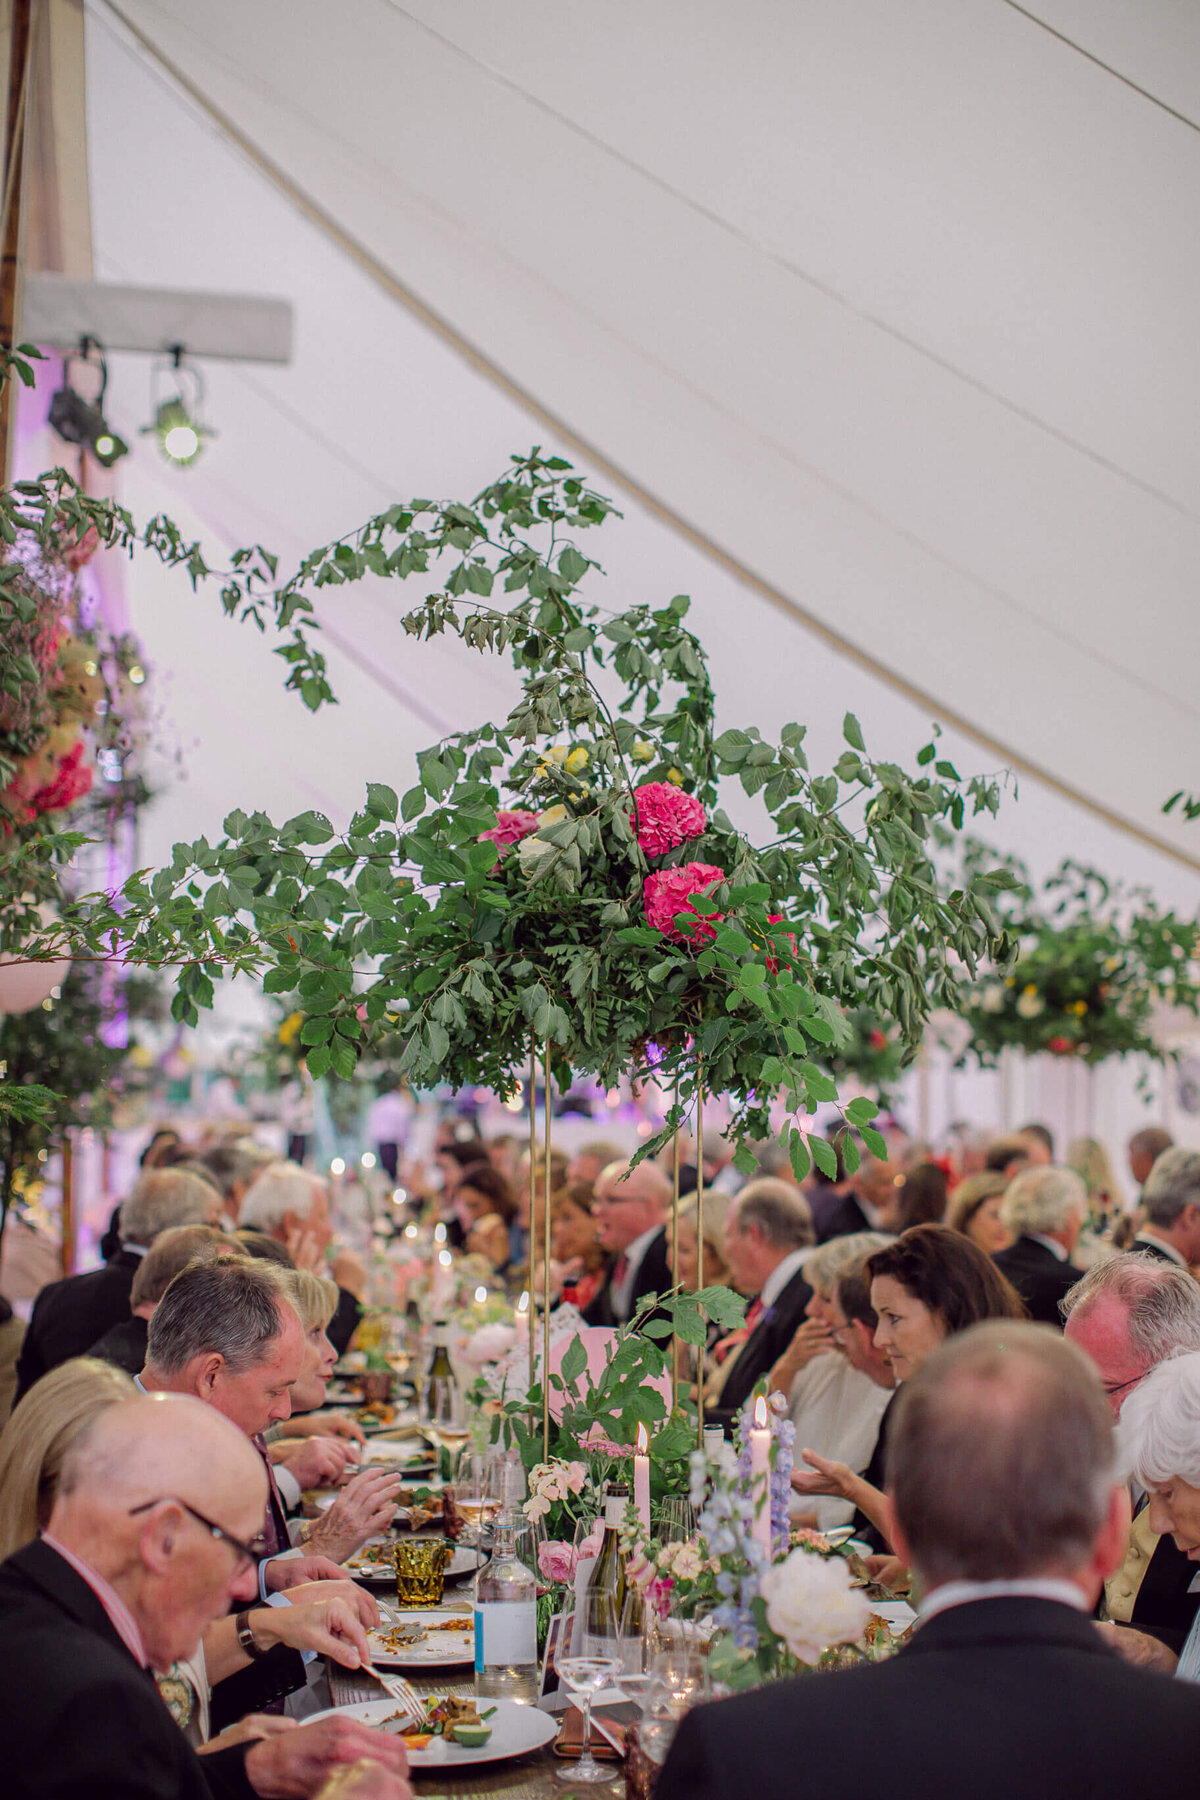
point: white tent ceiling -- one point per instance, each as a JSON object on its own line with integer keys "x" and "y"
{"x": 881, "y": 317}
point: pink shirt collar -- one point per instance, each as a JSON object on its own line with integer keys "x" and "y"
{"x": 120, "y": 1617}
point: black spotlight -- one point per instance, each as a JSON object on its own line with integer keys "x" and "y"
{"x": 80, "y": 421}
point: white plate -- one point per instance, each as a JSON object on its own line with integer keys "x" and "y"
{"x": 409, "y": 1452}
{"x": 463, "y": 1563}
{"x": 516, "y": 1730}
{"x": 440, "y": 1650}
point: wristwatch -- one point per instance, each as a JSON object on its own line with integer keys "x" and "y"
{"x": 245, "y": 1636}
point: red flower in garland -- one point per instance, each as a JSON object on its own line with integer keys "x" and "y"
{"x": 1061, "y": 1046}
{"x": 665, "y": 817}
{"x": 72, "y": 780}
{"x": 510, "y": 828}
{"x": 665, "y": 893}
{"x": 772, "y": 959}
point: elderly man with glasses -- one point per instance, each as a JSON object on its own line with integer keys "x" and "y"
{"x": 629, "y": 1214}
{"x": 148, "y": 1543}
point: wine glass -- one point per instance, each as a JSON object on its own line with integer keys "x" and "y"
{"x": 678, "y": 1680}
{"x": 475, "y": 1495}
{"x": 447, "y": 1424}
{"x": 676, "y": 1520}
{"x": 584, "y": 1676}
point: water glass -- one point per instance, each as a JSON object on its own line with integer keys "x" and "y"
{"x": 584, "y": 1676}
{"x": 676, "y": 1520}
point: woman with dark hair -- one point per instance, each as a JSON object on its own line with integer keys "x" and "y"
{"x": 485, "y": 1207}
{"x": 928, "y": 1285}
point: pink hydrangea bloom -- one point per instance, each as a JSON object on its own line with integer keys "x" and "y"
{"x": 665, "y": 893}
{"x": 510, "y": 828}
{"x": 666, "y": 817}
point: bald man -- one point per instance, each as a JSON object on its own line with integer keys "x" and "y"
{"x": 148, "y": 1543}
{"x": 629, "y": 1214}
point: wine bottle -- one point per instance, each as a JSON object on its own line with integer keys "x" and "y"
{"x": 608, "y": 1575}
{"x": 443, "y": 1404}
{"x": 506, "y": 1659}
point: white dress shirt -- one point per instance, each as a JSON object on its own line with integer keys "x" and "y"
{"x": 780, "y": 1275}
{"x": 634, "y": 1254}
{"x": 961, "y": 1593}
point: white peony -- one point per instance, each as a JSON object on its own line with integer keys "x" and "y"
{"x": 1030, "y": 1003}
{"x": 811, "y": 1604}
{"x": 992, "y": 998}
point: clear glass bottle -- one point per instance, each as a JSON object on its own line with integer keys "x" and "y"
{"x": 506, "y": 1659}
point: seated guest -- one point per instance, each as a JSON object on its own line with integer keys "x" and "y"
{"x": 1008, "y": 1156}
{"x": 145, "y": 1546}
{"x": 486, "y": 1208}
{"x": 865, "y": 1203}
{"x": 1001, "y": 1489}
{"x": 1160, "y": 1448}
{"x": 768, "y": 1232}
{"x": 590, "y": 1160}
{"x": 125, "y": 1344}
{"x": 581, "y": 1262}
{"x": 629, "y": 1210}
{"x": 36, "y": 1439}
{"x": 1129, "y": 1314}
{"x": 69, "y": 1315}
{"x": 233, "y": 1167}
{"x": 920, "y": 1197}
{"x": 1145, "y": 1148}
{"x": 1039, "y": 1141}
{"x": 12, "y": 1333}
{"x": 925, "y": 1287}
{"x": 1044, "y": 1208}
{"x": 291, "y": 1205}
{"x": 1171, "y": 1203}
{"x": 974, "y": 1210}
{"x": 835, "y": 1397}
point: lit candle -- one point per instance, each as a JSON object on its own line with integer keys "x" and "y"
{"x": 760, "y": 1476}
{"x": 641, "y": 1479}
{"x": 443, "y": 1262}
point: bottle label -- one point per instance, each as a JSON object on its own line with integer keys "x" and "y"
{"x": 614, "y": 1509}
{"x": 505, "y": 1634}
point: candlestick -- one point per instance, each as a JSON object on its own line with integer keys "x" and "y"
{"x": 641, "y": 1479}
{"x": 760, "y": 1476}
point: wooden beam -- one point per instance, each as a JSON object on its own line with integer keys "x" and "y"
{"x": 20, "y": 59}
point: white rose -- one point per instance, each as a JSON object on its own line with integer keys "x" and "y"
{"x": 811, "y": 1604}
{"x": 992, "y": 999}
{"x": 1029, "y": 1005}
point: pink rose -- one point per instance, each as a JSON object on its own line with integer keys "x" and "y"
{"x": 591, "y": 1543}
{"x": 665, "y": 817}
{"x": 772, "y": 959}
{"x": 510, "y": 828}
{"x": 557, "y": 1560}
{"x": 665, "y": 893}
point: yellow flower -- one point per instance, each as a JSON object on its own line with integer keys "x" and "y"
{"x": 289, "y": 1031}
{"x": 643, "y": 750}
{"x": 1029, "y": 988}
{"x": 557, "y": 753}
{"x": 675, "y": 776}
{"x": 576, "y": 760}
{"x": 553, "y": 815}
{"x": 1078, "y": 1007}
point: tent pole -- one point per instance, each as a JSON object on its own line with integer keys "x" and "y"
{"x": 20, "y": 63}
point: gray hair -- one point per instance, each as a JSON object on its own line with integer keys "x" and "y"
{"x": 1161, "y": 1301}
{"x": 168, "y": 1256}
{"x": 822, "y": 1268}
{"x": 779, "y": 1210}
{"x": 233, "y": 1308}
{"x": 1043, "y": 1199}
{"x": 282, "y": 1188}
{"x": 1172, "y": 1184}
{"x": 232, "y": 1165}
{"x": 1001, "y": 1457}
{"x": 1159, "y": 1433}
{"x": 165, "y": 1198}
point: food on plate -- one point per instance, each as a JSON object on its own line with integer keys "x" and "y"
{"x": 447, "y": 1717}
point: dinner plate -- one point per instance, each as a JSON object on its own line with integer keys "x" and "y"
{"x": 462, "y": 1565}
{"x": 450, "y": 1641}
{"x": 516, "y": 1730}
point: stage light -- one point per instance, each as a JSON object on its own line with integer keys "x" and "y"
{"x": 177, "y": 424}
{"x": 82, "y": 422}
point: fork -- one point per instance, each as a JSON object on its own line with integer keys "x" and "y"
{"x": 399, "y": 1690}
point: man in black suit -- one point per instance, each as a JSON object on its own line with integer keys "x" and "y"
{"x": 1004, "y": 1504}
{"x": 865, "y": 1202}
{"x": 69, "y": 1315}
{"x": 629, "y": 1212}
{"x": 1045, "y": 1208}
{"x": 1171, "y": 1199}
{"x": 144, "y": 1549}
{"x": 767, "y": 1231}
{"x": 1128, "y": 1314}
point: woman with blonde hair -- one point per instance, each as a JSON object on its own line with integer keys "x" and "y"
{"x": 37, "y": 1437}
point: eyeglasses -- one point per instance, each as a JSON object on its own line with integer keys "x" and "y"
{"x": 1113, "y": 1388}
{"x": 247, "y": 1554}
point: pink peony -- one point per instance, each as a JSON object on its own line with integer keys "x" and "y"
{"x": 665, "y": 893}
{"x": 557, "y": 1560}
{"x": 666, "y": 817}
{"x": 510, "y": 828}
{"x": 772, "y": 959}
{"x": 72, "y": 780}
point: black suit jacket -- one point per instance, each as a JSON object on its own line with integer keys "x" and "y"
{"x": 342, "y": 1325}
{"x": 1004, "y": 1699}
{"x": 1039, "y": 1277}
{"x": 837, "y": 1215}
{"x": 79, "y": 1720}
{"x": 124, "y": 1344}
{"x": 69, "y": 1315}
{"x": 653, "y": 1276}
{"x": 1149, "y": 1247}
{"x": 762, "y": 1349}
